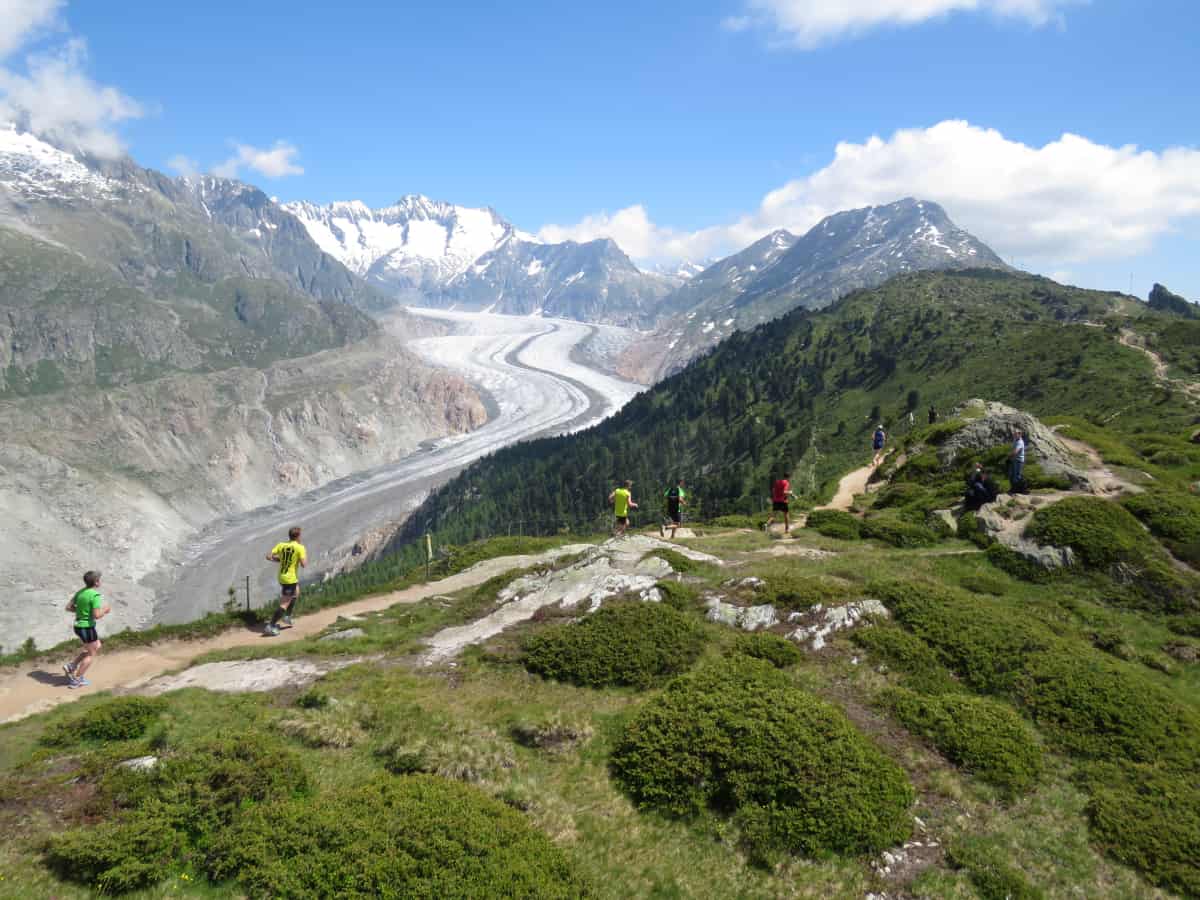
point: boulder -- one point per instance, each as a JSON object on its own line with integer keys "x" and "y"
{"x": 993, "y": 423}
{"x": 821, "y": 622}
{"x": 747, "y": 618}
{"x": 347, "y": 635}
{"x": 1004, "y": 522}
{"x": 139, "y": 763}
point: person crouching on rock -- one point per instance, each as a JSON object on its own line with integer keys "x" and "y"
{"x": 291, "y": 557}
{"x": 89, "y": 606}
{"x": 622, "y": 501}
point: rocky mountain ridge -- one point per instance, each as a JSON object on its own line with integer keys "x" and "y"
{"x": 844, "y": 252}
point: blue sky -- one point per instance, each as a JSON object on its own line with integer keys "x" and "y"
{"x": 668, "y": 125}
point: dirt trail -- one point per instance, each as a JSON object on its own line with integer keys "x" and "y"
{"x": 1131, "y": 340}
{"x": 848, "y": 487}
{"x": 35, "y": 687}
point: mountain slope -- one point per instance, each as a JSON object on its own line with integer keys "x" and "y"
{"x": 802, "y": 395}
{"x": 592, "y": 282}
{"x": 427, "y": 252}
{"x": 845, "y": 252}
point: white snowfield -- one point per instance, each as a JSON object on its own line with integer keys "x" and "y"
{"x": 522, "y": 362}
{"x": 414, "y": 231}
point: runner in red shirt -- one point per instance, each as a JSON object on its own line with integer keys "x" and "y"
{"x": 781, "y": 491}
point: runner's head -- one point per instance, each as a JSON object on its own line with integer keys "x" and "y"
{"x": 680, "y": 482}
{"x": 629, "y": 483}
{"x": 91, "y": 578}
{"x": 293, "y": 534}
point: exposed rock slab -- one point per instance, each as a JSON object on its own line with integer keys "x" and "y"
{"x": 348, "y": 635}
{"x": 820, "y": 622}
{"x": 747, "y": 618}
{"x": 618, "y": 566}
{"x": 1005, "y": 521}
{"x": 994, "y": 425}
{"x": 245, "y": 676}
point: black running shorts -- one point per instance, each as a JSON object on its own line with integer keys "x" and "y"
{"x": 288, "y": 590}
{"x": 780, "y": 506}
{"x": 673, "y": 513}
{"x": 87, "y": 635}
{"x": 622, "y": 520}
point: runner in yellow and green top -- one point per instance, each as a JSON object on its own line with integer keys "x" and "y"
{"x": 291, "y": 557}
{"x": 622, "y": 501}
{"x": 88, "y": 605}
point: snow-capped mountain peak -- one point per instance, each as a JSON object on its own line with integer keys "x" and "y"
{"x": 31, "y": 167}
{"x": 416, "y": 243}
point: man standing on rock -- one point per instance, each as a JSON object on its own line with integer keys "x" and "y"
{"x": 622, "y": 501}
{"x": 291, "y": 557}
{"x": 1016, "y": 461}
{"x": 676, "y": 498}
{"x": 88, "y": 606}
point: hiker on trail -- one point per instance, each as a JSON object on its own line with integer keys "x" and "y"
{"x": 676, "y": 498}
{"x": 932, "y": 415}
{"x": 1016, "y": 461}
{"x": 291, "y": 557}
{"x": 877, "y": 441}
{"x": 911, "y": 420}
{"x": 622, "y": 501}
{"x": 88, "y": 606}
{"x": 781, "y": 492}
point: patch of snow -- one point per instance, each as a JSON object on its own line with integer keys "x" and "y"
{"x": 533, "y": 268}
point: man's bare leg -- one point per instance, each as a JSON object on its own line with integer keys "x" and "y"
{"x": 87, "y": 656}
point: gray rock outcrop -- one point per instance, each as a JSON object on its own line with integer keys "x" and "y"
{"x": 992, "y": 424}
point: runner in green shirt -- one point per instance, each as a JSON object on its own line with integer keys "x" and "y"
{"x": 622, "y": 501}
{"x": 88, "y": 605}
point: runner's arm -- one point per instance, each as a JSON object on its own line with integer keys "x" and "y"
{"x": 271, "y": 557}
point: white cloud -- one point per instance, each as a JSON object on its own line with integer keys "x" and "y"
{"x": 19, "y": 19}
{"x": 50, "y": 92}
{"x": 810, "y": 23}
{"x": 1069, "y": 201}
{"x": 277, "y": 162}
{"x": 184, "y": 165}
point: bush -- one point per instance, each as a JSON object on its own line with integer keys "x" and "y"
{"x": 1018, "y": 566}
{"x": 119, "y": 856}
{"x": 905, "y": 651}
{"x": 416, "y": 836}
{"x": 119, "y": 719}
{"x": 633, "y": 643}
{"x": 969, "y": 530}
{"x": 1149, "y": 819}
{"x": 979, "y": 734}
{"x": 163, "y": 817}
{"x": 778, "y": 651}
{"x": 1172, "y": 518}
{"x": 789, "y": 589}
{"x": 979, "y": 583}
{"x": 737, "y": 739}
{"x": 989, "y": 872}
{"x": 676, "y": 560}
{"x": 1102, "y": 534}
{"x": 835, "y": 523}
{"x": 679, "y": 595}
{"x": 897, "y": 532}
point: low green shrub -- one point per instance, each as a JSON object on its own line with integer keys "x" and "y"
{"x": 778, "y": 651}
{"x": 1174, "y": 518}
{"x": 1149, "y": 819}
{"x": 679, "y": 595}
{"x": 941, "y": 432}
{"x": 1018, "y": 566}
{"x": 904, "y": 651}
{"x": 635, "y": 644}
{"x": 160, "y": 820}
{"x": 416, "y": 836}
{"x": 787, "y": 588}
{"x": 900, "y": 494}
{"x": 989, "y": 871}
{"x": 675, "y": 560}
{"x": 969, "y": 530}
{"x": 1101, "y": 533}
{"x": 119, "y": 856}
{"x": 835, "y": 523}
{"x": 119, "y": 719}
{"x": 979, "y": 734}
{"x": 736, "y": 738}
{"x": 897, "y": 532}
{"x": 980, "y": 583}
{"x": 738, "y": 521}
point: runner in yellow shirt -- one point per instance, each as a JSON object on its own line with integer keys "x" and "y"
{"x": 622, "y": 501}
{"x": 291, "y": 557}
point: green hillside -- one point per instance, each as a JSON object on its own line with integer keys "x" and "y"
{"x": 802, "y": 396}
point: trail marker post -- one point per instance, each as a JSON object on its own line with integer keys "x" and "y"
{"x": 428, "y": 553}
